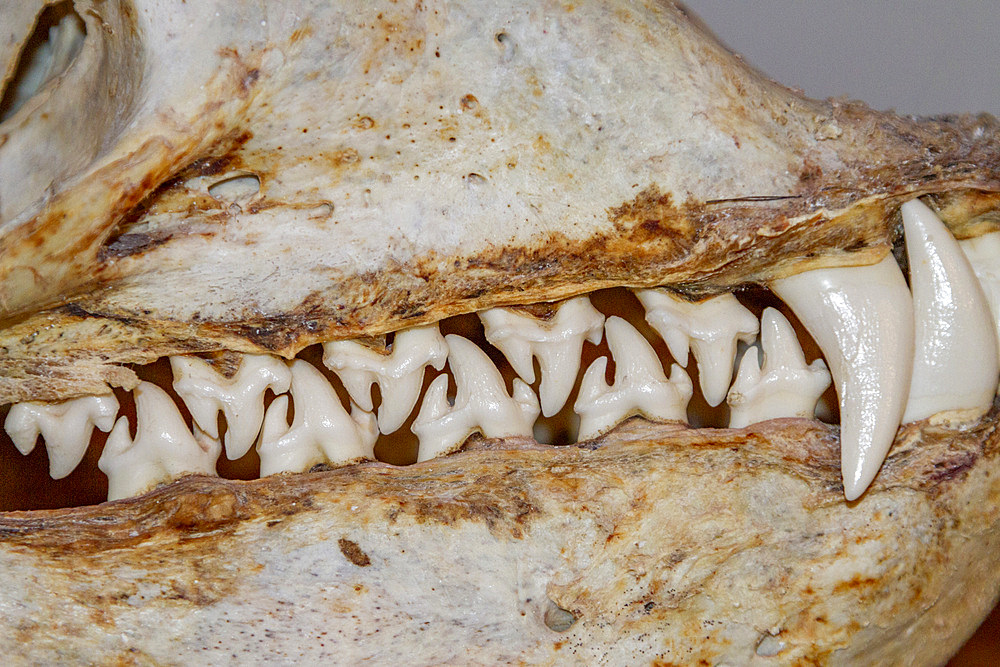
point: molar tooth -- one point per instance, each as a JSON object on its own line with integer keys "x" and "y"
{"x": 321, "y": 432}
{"x": 481, "y": 404}
{"x": 862, "y": 319}
{"x": 65, "y": 427}
{"x": 556, "y": 342}
{"x": 640, "y": 385}
{"x": 983, "y": 253}
{"x": 955, "y": 367}
{"x": 783, "y": 385}
{"x": 163, "y": 450}
{"x": 399, "y": 374}
{"x": 711, "y": 328}
{"x": 241, "y": 398}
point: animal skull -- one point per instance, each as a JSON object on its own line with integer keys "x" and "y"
{"x": 227, "y": 184}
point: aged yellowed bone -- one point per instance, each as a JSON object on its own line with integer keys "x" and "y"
{"x": 400, "y": 164}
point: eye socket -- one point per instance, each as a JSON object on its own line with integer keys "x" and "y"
{"x": 235, "y": 188}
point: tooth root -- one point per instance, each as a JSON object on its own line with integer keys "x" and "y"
{"x": 862, "y": 319}
{"x": 711, "y": 328}
{"x": 322, "y": 431}
{"x": 163, "y": 450}
{"x": 983, "y": 253}
{"x": 955, "y": 366}
{"x": 240, "y": 398}
{"x": 481, "y": 403}
{"x": 65, "y": 427}
{"x": 640, "y": 385}
{"x": 557, "y": 343}
{"x": 399, "y": 374}
{"x": 784, "y": 385}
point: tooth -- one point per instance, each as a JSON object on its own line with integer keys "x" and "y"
{"x": 640, "y": 386}
{"x": 711, "y": 328}
{"x": 163, "y": 450}
{"x": 481, "y": 404}
{"x": 955, "y": 367}
{"x": 65, "y": 428}
{"x": 557, "y": 343}
{"x": 983, "y": 253}
{"x": 240, "y": 398}
{"x": 321, "y": 432}
{"x": 862, "y": 319}
{"x": 399, "y": 374}
{"x": 783, "y": 385}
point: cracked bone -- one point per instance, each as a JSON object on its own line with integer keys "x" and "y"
{"x": 556, "y": 341}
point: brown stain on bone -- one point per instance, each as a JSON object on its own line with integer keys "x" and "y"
{"x": 353, "y": 552}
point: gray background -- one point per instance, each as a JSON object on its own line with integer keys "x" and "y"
{"x": 916, "y": 56}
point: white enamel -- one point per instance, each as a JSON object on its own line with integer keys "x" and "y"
{"x": 240, "y": 398}
{"x": 65, "y": 428}
{"x": 983, "y": 253}
{"x": 955, "y": 365}
{"x": 711, "y": 328}
{"x": 162, "y": 451}
{"x": 399, "y": 373}
{"x": 862, "y": 319}
{"x": 557, "y": 343}
{"x": 481, "y": 403}
{"x": 322, "y": 431}
{"x": 782, "y": 385}
{"x": 640, "y": 386}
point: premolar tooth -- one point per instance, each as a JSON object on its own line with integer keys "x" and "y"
{"x": 65, "y": 427}
{"x": 983, "y": 253}
{"x": 783, "y": 385}
{"x": 163, "y": 450}
{"x": 640, "y": 386}
{"x": 711, "y": 328}
{"x": 321, "y": 432}
{"x": 557, "y": 343}
{"x": 955, "y": 367}
{"x": 399, "y": 374}
{"x": 481, "y": 403}
{"x": 862, "y": 319}
{"x": 240, "y": 398}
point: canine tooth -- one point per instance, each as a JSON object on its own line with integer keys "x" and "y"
{"x": 783, "y": 385}
{"x": 481, "y": 404}
{"x": 983, "y": 253}
{"x": 399, "y": 374}
{"x": 640, "y": 385}
{"x": 321, "y": 432}
{"x": 163, "y": 450}
{"x": 240, "y": 398}
{"x": 557, "y": 343}
{"x": 955, "y": 366}
{"x": 862, "y": 319}
{"x": 65, "y": 428}
{"x": 711, "y": 328}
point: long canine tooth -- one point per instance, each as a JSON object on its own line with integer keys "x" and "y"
{"x": 983, "y": 253}
{"x": 65, "y": 427}
{"x": 321, "y": 432}
{"x": 783, "y": 385}
{"x": 481, "y": 403}
{"x": 163, "y": 450}
{"x": 955, "y": 367}
{"x": 399, "y": 374}
{"x": 862, "y": 319}
{"x": 711, "y": 328}
{"x": 557, "y": 343}
{"x": 640, "y": 386}
{"x": 205, "y": 392}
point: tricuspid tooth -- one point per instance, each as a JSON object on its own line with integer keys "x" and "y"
{"x": 321, "y": 432}
{"x": 783, "y": 385}
{"x": 399, "y": 372}
{"x": 240, "y": 398}
{"x": 862, "y": 319}
{"x": 163, "y": 450}
{"x": 955, "y": 366}
{"x": 983, "y": 253}
{"x": 711, "y": 328}
{"x": 65, "y": 427}
{"x": 555, "y": 340}
{"x": 640, "y": 386}
{"x": 481, "y": 403}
